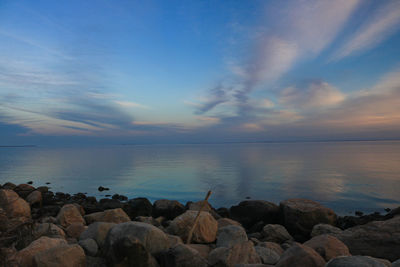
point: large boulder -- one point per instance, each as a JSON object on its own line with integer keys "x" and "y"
{"x": 271, "y": 245}
{"x": 300, "y": 256}
{"x": 226, "y": 221}
{"x": 379, "y": 239}
{"x": 74, "y": 230}
{"x": 15, "y": 209}
{"x": 328, "y": 246}
{"x": 275, "y": 233}
{"x": 89, "y": 246}
{"x": 231, "y": 235}
{"x": 182, "y": 256}
{"x": 138, "y": 207}
{"x": 47, "y": 229}
{"x": 97, "y": 231}
{"x": 61, "y": 256}
{"x": 25, "y": 256}
{"x": 69, "y": 214}
{"x": 34, "y": 197}
{"x": 267, "y": 255}
{"x": 250, "y": 212}
{"x": 204, "y": 232}
{"x": 300, "y": 216}
{"x": 23, "y": 190}
{"x": 321, "y": 229}
{"x": 111, "y": 216}
{"x": 355, "y": 261}
{"x": 229, "y": 257}
{"x": 167, "y": 208}
{"x": 153, "y": 239}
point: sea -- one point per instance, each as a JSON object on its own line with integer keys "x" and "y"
{"x": 345, "y": 176}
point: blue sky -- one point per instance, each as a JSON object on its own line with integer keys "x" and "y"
{"x": 198, "y": 71}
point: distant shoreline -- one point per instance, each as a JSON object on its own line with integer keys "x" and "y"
{"x": 21, "y": 146}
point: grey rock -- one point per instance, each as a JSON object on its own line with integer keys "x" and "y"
{"x": 238, "y": 254}
{"x": 231, "y": 235}
{"x": 89, "y": 246}
{"x": 300, "y": 256}
{"x": 354, "y": 261}
{"x": 275, "y": 233}
{"x": 328, "y": 246}
{"x": 97, "y": 231}
{"x": 322, "y": 228}
{"x": 182, "y": 256}
{"x": 267, "y": 255}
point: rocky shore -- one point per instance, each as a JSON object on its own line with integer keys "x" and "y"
{"x": 42, "y": 228}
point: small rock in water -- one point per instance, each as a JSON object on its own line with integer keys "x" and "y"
{"x": 248, "y": 197}
{"x": 107, "y": 195}
{"x": 359, "y": 213}
{"x": 101, "y": 188}
{"x": 30, "y": 182}
{"x": 388, "y": 209}
{"x": 48, "y": 183}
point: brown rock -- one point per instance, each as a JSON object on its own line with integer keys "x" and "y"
{"x": 167, "y": 208}
{"x": 25, "y": 256}
{"x": 229, "y": 257}
{"x": 13, "y": 209}
{"x": 68, "y": 215}
{"x": 23, "y": 190}
{"x": 49, "y": 230}
{"x": 205, "y": 231}
{"x": 182, "y": 256}
{"x": 300, "y": 216}
{"x": 203, "y": 249}
{"x": 274, "y": 246}
{"x": 226, "y": 221}
{"x": 75, "y": 230}
{"x": 250, "y": 212}
{"x": 34, "y": 198}
{"x": 61, "y": 256}
{"x": 328, "y": 246}
{"x": 300, "y": 256}
{"x": 111, "y": 216}
{"x": 97, "y": 231}
{"x": 275, "y": 233}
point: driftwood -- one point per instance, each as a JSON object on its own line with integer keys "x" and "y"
{"x": 196, "y": 220}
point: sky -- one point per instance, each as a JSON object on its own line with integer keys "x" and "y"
{"x": 198, "y": 71}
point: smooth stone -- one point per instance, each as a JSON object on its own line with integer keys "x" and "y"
{"x": 328, "y": 246}
{"x": 167, "y": 208}
{"x": 61, "y": 256}
{"x": 34, "y": 198}
{"x": 111, "y": 216}
{"x": 354, "y": 261}
{"x": 231, "y": 235}
{"x": 275, "y": 233}
{"x": 267, "y": 255}
{"x": 300, "y": 256}
{"x": 69, "y": 214}
{"x": 97, "y": 231}
{"x": 89, "y": 246}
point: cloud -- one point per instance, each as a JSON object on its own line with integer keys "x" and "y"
{"x": 130, "y": 104}
{"x": 316, "y": 94}
{"x": 378, "y": 27}
{"x": 218, "y": 95}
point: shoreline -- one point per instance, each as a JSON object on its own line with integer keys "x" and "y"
{"x": 289, "y": 223}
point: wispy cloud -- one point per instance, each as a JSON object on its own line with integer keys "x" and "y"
{"x": 378, "y": 27}
{"x": 130, "y": 104}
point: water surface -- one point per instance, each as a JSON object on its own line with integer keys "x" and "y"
{"x": 345, "y": 176}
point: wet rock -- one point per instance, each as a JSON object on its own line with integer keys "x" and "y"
{"x": 231, "y": 235}
{"x": 267, "y": 255}
{"x": 138, "y": 207}
{"x": 25, "y": 256}
{"x": 167, "y": 208}
{"x": 61, "y": 256}
{"x": 97, "y": 231}
{"x": 112, "y": 216}
{"x": 182, "y": 256}
{"x": 238, "y": 254}
{"x": 69, "y": 214}
{"x": 75, "y": 230}
{"x": 300, "y": 216}
{"x": 321, "y": 229}
{"x": 49, "y": 230}
{"x": 152, "y": 238}
{"x": 89, "y": 246}
{"x": 328, "y": 246}
{"x": 204, "y": 232}
{"x": 380, "y": 239}
{"x": 250, "y": 212}
{"x": 226, "y": 221}
{"x": 34, "y": 198}
{"x": 275, "y": 233}
{"x": 300, "y": 256}
{"x": 23, "y": 190}
{"x": 354, "y": 261}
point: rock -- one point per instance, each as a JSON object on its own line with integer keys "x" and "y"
{"x": 198, "y": 204}
{"x": 223, "y": 212}
{"x": 300, "y": 216}
{"x": 204, "y": 250}
{"x": 271, "y": 245}
{"x": 354, "y": 261}
{"x": 23, "y": 190}
{"x": 25, "y": 256}
{"x": 229, "y": 257}
{"x": 226, "y": 221}
{"x": 43, "y": 189}
{"x": 89, "y": 246}
{"x": 205, "y": 231}
{"x": 75, "y": 230}
{"x": 182, "y": 256}
{"x": 328, "y": 246}
{"x": 69, "y": 214}
{"x": 95, "y": 262}
{"x": 149, "y": 220}
{"x": 9, "y": 185}
{"x": 379, "y": 239}
{"x": 15, "y": 209}
{"x": 138, "y": 207}
{"x": 47, "y": 229}
{"x": 101, "y": 188}
{"x": 396, "y": 263}
{"x": 254, "y": 265}
{"x": 321, "y": 229}
{"x": 152, "y": 238}
{"x": 119, "y": 197}
{"x": 174, "y": 240}
{"x": 167, "y": 208}
{"x": 61, "y": 256}
{"x": 275, "y": 233}
{"x": 250, "y": 212}
{"x": 300, "y": 256}
{"x": 97, "y": 231}
{"x": 34, "y": 198}
{"x": 108, "y": 204}
{"x": 231, "y": 235}
{"x": 129, "y": 251}
{"x": 112, "y": 216}
{"x": 267, "y": 255}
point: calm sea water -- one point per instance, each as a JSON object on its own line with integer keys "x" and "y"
{"x": 345, "y": 176}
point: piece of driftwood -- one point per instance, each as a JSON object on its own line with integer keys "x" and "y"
{"x": 196, "y": 220}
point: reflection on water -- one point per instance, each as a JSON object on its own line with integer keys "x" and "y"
{"x": 345, "y": 176}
